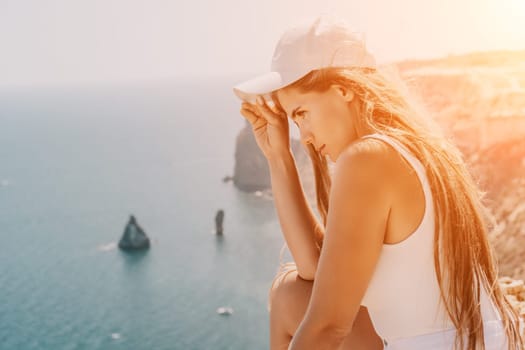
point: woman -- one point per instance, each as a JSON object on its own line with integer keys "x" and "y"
{"x": 402, "y": 249}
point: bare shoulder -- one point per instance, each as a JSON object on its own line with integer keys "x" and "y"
{"x": 370, "y": 158}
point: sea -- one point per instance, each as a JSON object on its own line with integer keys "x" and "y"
{"x": 75, "y": 163}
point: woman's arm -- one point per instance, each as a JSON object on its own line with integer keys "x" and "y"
{"x": 301, "y": 229}
{"x": 359, "y": 207}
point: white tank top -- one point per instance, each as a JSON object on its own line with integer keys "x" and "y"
{"x": 403, "y": 297}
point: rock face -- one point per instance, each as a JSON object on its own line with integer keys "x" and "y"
{"x": 219, "y": 218}
{"x": 251, "y": 171}
{"x": 478, "y": 98}
{"x": 514, "y": 292}
{"x": 134, "y": 237}
{"x": 500, "y": 170}
{"x": 479, "y": 101}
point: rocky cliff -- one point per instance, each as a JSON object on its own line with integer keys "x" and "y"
{"x": 479, "y": 100}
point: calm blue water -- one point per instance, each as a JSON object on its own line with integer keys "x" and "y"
{"x": 74, "y": 164}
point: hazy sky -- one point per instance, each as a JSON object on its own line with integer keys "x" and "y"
{"x": 62, "y": 41}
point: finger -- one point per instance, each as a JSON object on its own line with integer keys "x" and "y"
{"x": 256, "y": 121}
{"x": 248, "y": 105}
{"x": 249, "y": 115}
{"x": 251, "y": 107}
{"x": 267, "y": 111}
{"x": 254, "y": 109}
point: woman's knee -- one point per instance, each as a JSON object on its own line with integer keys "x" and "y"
{"x": 286, "y": 286}
{"x": 289, "y": 298}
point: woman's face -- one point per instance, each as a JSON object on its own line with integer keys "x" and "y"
{"x": 325, "y": 119}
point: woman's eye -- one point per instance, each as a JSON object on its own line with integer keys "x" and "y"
{"x": 297, "y": 116}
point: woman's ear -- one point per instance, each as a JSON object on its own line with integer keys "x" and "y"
{"x": 344, "y": 92}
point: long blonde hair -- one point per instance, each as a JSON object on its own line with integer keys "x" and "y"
{"x": 462, "y": 254}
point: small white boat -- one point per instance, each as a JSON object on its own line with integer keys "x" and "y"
{"x": 225, "y": 310}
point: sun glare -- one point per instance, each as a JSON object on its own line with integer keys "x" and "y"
{"x": 514, "y": 10}
{"x": 518, "y": 5}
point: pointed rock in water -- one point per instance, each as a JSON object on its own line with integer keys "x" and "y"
{"x": 134, "y": 237}
{"x": 227, "y": 178}
{"x": 219, "y": 218}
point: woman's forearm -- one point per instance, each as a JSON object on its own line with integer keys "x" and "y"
{"x": 301, "y": 229}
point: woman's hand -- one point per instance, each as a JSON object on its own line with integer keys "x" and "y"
{"x": 270, "y": 128}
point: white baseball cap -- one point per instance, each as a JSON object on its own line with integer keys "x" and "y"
{"x": 327, "y": 42}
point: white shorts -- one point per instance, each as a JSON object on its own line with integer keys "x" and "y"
{"x": 495, "y": 339}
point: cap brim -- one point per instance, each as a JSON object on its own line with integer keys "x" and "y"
{"x": 261, "y": 85}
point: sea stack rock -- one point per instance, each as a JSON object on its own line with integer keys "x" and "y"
{"x": 134, "y": 237}
{"x": 251, "y": 171}
{"x": 218, "y": 221}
